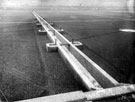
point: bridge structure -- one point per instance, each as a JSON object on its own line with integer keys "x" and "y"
{"x": 99, "y": 84}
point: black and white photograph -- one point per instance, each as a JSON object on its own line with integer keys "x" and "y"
{"x": 67, "y": 50}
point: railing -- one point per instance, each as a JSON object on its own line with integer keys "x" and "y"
{"x": 79, "y": 96}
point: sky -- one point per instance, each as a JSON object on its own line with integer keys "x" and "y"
{"x": 19, "y": 3}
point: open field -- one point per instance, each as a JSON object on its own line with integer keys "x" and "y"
{"x": 23, "y": 74}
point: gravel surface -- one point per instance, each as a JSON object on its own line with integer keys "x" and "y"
{"x": 23, "y": 73}
{"x": 20, "y": 75}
